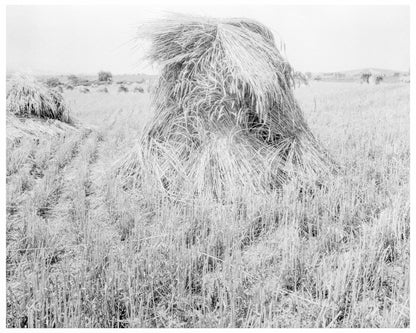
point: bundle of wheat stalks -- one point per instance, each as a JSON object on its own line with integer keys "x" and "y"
{"x": 28, "y": 97}
{"x": 226, "y": 121}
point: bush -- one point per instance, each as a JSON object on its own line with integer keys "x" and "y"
{"x": 73, "y": 79}
{"x": 53, "y": 82}
{"x": 105, "y": 76}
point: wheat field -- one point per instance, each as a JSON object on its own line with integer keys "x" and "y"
{"x": 81, "y": 252}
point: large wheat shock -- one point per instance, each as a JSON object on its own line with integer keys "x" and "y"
{"x": 226, "y": 120}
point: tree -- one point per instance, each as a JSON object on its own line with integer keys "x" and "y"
{"x": 365, "y": 77}
{"x": 105, "y": 76}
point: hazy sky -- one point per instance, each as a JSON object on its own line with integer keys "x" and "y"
{"x": 86, "y": 39}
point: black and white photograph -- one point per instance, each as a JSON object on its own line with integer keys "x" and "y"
{"x": 207, "y": 164}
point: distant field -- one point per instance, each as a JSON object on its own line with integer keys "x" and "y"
{"x": 83, "y": 253}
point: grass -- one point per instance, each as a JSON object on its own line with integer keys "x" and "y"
{"x": 82, "y": 252}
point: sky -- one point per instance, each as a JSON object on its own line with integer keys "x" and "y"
{"x": 85, "y": 39}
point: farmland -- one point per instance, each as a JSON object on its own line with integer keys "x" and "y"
{"x": 82, "y": 252}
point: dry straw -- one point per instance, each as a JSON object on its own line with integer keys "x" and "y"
{"x": 226, "y": 121}
{"x": 122, "y": 88}
{"x": 103, "y": 90}
{"x": 28, "y": 97}
{"x": 138, "y": 89}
